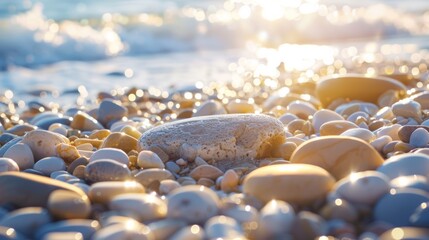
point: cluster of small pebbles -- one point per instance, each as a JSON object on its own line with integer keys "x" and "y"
{"x": 344, "y": 158}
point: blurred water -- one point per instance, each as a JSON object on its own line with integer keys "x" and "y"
{"x": 75, "y": 42}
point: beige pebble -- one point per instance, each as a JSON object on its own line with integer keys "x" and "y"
{"x": 63, "y": 236}
{"x": 240, "y": 106}
{"x": 148, "y": 159}
{"x": 49, "y": 165}
{"x": 43, "y": 143}
{"x": 294, "y": 183}
{"x": 124, "y": 230}
{"x": 358, "y": 117}
{"x": 220, "y": 137}
{"x": 200, "y": 161}
{"x": 165, "y": 228}
{"x": 131, "y": 131}
{"x": 168, "y": 185}
{"x": 380, "y": 142}
{"x": 207, "y": 182}
{"x": 67, "y": 152}
{"x": 147, "y": 176}
{"x": 301, "y": 109}
{"x": 8, "y": 164}
{"x": 16, "y": 187}
{"x": 64, "y": 204}
{"x": 103, "y": 192}
{"x": 94, "y": 142}
{"x": 285, "y": 150}
{"x": 230, "y": 181}
{"x": 85, "y": 146}
{"x": 79, "y": 171}
{"x": 161, "y": 153}
{"x": 360, "y": 133}
{"x": 300, "y": 126}
{"x": 146, "y": 207}
{"x": 210, "y": 107}
{"x": 295, "y": 140}
{"x": 99, "y": 134}
{"x": 392, "y": 131}
{"x": 121, "y": 141}
{"x": 21, "y": 129}
{"x": 207, "y": 171}
{"x": 339, "y": 155}
{"x": 21, "y": 154}
{"x": 336, "y": 127}
{"x": 323, "y": 116}
{"x": 181, "y": 162}
{"x": 85, "y": 122}
{"x": 192, "y": 204}
{"x": 355, "y": 87}
{"x": 106, "y": 170}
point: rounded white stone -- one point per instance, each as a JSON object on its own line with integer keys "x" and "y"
{"x": 7, "y": 165}
{"x": 407, "y": 108}
{"x": 380, "y": 142}
{"x": 43, "y": 143}
{"x": 192, "y": 204}
{"x": 146, "y": 207}
{"x": 110, "y": 153}
{"x": 363, "y": 187}
{"x": 406, "y": 164}
{"x": 49, "y": 165}
{"x": 222, "y": 227}
{"x": 276, "y": 218}
{"x": 391, "y": 131}
{"x": 324, "y": 116}
{"x": 148, "y": 159}
{"x": 419, "y": 138}
{"x": 301, "y": 108}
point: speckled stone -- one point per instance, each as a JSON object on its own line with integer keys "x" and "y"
{"x": 339, "y": 155}
{"x": 355, "y": 87}
{"x": 192, "y": 204}
{"x": 294, "y": 183}
{"x": 16, "y": 187}
{"x": 219, "y": 137}
{"x": 106, "y": 170}
{"x": 42, "y": 143}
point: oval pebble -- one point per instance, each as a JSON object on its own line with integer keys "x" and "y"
{"x": 207, "y": 171}
{"x": 355, "y": 87}
{"x": 126, "y": 230}
{"x": 103, "y": 192}
{"x": 42, "y": 143}
{"x": 360, "y": 133}
{"x": 109, "y": 110}
{"x": 405, "y": 165}
{"x": 21, "y": 154}
{"x": 26, "y": 220}
{"x": 363, "y": 187}
{"x": 68, "y": 205}
{"x": 387, "y": 208}
{"x": 407, "y": 108}
{"x": 110, "y": 153}
{"x": 222, "y": 227}
{"x": 148, "y": 159}
{"x": 147, "y": 176}
{"x": 276, "y": 218}
{"x": 323, "y": 116}
{"x": 86, "y": 227}
{"x": 419, "y": 138}
{"x": 293, "y": 183}
{"x": 192, "y": 204}
{"x": 339, "y": 155}
{"x": 145, "y": 207}
{"x": 106, "y": 170}
{"x": 210, "y": 107}
{"x": 16, "y": 187}
{"x": 8, "y": 164}
{"x": 49, "y": 165}
{"x": 336, "y": 127}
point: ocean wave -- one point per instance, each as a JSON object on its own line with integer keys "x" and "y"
{"x": 31, "y": 39}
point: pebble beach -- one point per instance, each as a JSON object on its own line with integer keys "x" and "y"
{"x": 297, "y": 141}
